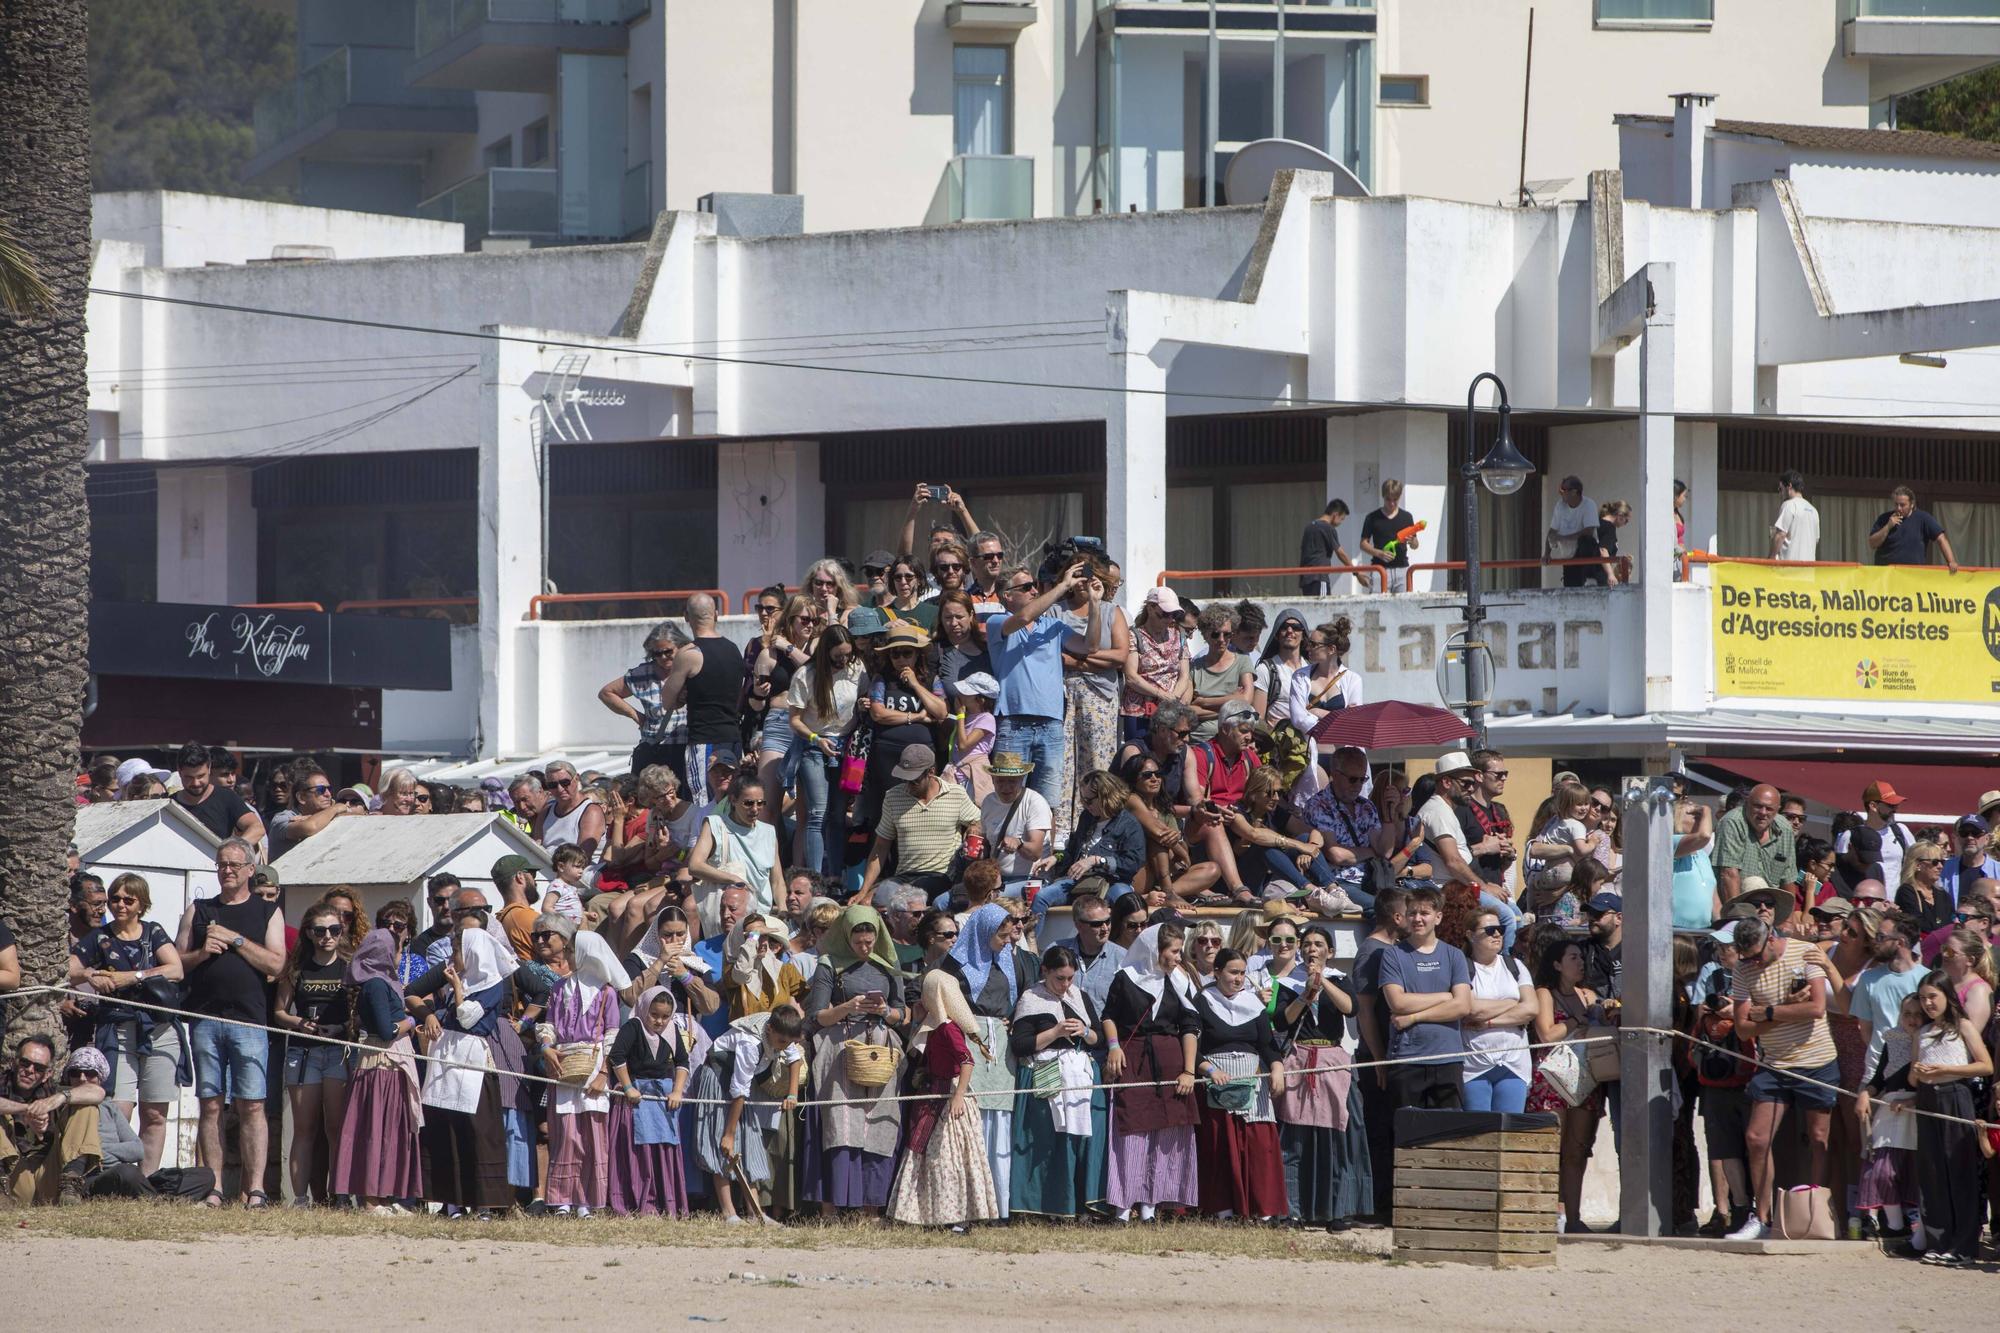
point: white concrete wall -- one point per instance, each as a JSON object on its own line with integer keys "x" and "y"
{"x": 206, "y": 536}
{"x": 1772, "y": 60}
{"x": 434, "y": 721}
{"x": 181, "y": 230}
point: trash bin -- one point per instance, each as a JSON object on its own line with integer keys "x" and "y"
{"x": 1476, "y": 1187}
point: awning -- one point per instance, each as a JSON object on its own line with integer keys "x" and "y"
{"x": 1934, "y": 794}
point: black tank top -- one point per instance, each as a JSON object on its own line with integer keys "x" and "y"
{"x": 226, "y": 986}
{"x": 320, "y": 995}
{"x": 713, "y": 692}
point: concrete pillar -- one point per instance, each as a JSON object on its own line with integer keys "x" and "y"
{"x": 1412, "y": 447}
{"x": 510, "y": 542}
{"x": 770, "y": 513}
{"x": 1646, "y": 1069}
{"x": 207, "y": 535}
{"x": 1694, "y": 114}
{"x": 1654, "y": 567}
{"x": 1135, "y": 474}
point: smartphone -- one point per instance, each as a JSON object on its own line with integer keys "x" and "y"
{"x": 939, "y": 493}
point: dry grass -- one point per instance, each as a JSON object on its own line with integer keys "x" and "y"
{"x": 153, "y": 1221}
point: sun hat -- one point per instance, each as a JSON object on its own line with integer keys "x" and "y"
{"x": 1009, "y": 764}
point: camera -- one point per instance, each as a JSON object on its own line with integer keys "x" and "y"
{"x": 938, "y": 493}
{"x": 1058, "y": 556}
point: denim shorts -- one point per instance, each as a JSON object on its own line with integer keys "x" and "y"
{"x": 307, "y": 1065}
{"x": 245, "y": 1053}
{"x": 1776, "y": 1085}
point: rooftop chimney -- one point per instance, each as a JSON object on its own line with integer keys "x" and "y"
{"x": 1694, "y": 116}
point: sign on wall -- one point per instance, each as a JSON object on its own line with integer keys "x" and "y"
{"x": 1897, "y": 633}
{"x": 270, "y": 646}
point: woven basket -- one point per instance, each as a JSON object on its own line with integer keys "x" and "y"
{"x": 576, "y": 1061}
{"x": 870, "y": 1066}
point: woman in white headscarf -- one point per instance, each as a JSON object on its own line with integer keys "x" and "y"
{"x": 945, "y": 1179}
{"x": 1060, "y": 1113}
{"x": 649, "y": 1060}
{"x": 1150, "y": 1027}
{"x": 1242, "y": 1166}
{"x": 464, "y": 1140}
{"x": 582, "y": 1019}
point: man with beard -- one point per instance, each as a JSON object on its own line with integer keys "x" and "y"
{"x": 1602, "y": 963}
{"x": 1878, "y": 993}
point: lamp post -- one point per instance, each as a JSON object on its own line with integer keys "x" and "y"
{"x": 1502, "y": 471}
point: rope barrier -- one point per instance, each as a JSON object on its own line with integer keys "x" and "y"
{"x": 1659, "y": 1034}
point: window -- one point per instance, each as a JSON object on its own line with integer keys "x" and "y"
{"x": 981, "y": 119}
{"x": 499, "y": 154}
{"x": 1405, "y": 90}
{"x": 1642, "y": 13}
{"x": 535, "y": 144}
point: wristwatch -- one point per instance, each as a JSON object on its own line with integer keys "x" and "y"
{"x": 1770, "y": 1012}
{"x": 236, "y": 943}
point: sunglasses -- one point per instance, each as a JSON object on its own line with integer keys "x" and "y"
{"x": 34, "y": 1066}
{"x": 947, "y": 568}
{"x": 660, "y": 652}
{"x": 441, "y": 904}
{"x": 1500, "y": 773}
{"x": 1020, "y": 587}
{"x": 903, "y": 576}
{"x": 324, "y": 932}
{"x": 320, "y": 789}
{"x": 561, "y": 784}
{"x": 540, "y": 935}
{"x": 1284, "y": 939}
{"x": 354, "y": 801}
{"x": 1101, "y": 923}
{"x": 118, "y": 898}
{"x": 992, "y": 555}
{"x": 1493, "y": 930}
{"x": 768, "y": 609}
{"x": 398, "y": 927}
{"x": 1144, "y": 774}
{"x": 1601, "y": 807}
{"x": 423, "y": 798}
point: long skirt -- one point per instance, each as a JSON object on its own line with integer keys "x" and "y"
{"x": 1160, "y": 1168}
{"x": 379, "y": 1156}
{"x": 520, "y": 1126}
{"x": 1092, "y": 732}
{"x": 1329, "y": 1174}
{"x": 465, "y": 1153}
{"x": 579, "y": 1160}
{"x": 712, "y": 1117}
{"x": 645, "y": 1177}
{"x": 949, "y": 1183}
{"x": 992, "y": 1089}
{"x": 1242, "y": 1167}
{"x": 1056, "y": 1174}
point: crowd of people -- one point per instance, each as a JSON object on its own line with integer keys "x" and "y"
{"x": 993, "y": 902}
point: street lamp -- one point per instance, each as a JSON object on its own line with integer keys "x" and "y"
{"x": 1503, "y": 471}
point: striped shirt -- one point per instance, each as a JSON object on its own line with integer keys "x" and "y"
{"x": 926, "y": 835}
{"x": 1799, "y": 1043}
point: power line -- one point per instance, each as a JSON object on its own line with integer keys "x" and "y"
{"x": 1261, "y": 400}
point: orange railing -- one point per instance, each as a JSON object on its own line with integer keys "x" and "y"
{"x": 1277, "y": 571}
{"x": 281, "y": 606}
{"x": 417, "y": 605}
{"x": 750, "y": 596}
{"x": 542, "y": 599}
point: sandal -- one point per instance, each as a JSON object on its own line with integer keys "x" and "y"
{"x": 256, "y": 1199}
{"x": 214, "y": 1199}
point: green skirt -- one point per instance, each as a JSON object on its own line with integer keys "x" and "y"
{"x": 1056, "y": 1175}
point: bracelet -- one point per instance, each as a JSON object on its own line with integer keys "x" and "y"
{"x": 813, "y": 736}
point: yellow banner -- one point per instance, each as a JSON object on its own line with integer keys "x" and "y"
{"x": 1899, "y": 633}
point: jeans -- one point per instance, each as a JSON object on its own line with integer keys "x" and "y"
{"x": 816, "y": 779}
{"x": 1510, "y": 917}
{"x": 1039, "y": 740}
{"x": 1495, "y": 1090}
{"x": 244, "y": 1052}
{"x": 1280, "y": 865}
{"x": 1057, "y": 894}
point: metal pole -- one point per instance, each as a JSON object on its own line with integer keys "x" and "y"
{"x": 1475, "y": 614}
{"x": 1646, "y": 1072}
{"x": 1278, "y": 77}
{"x": 1212, "y": 128}
{"x": 1527, "y": 82}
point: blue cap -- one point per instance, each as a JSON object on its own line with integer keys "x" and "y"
{"x": 1972, "y": 824}
{"x": 1606, "y": 902}
{"x": 865, "y": 620}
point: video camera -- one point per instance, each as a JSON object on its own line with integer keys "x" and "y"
{"x": 1058, "y": 556}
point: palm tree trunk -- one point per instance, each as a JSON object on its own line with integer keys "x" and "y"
{"x": 44, "y": 525}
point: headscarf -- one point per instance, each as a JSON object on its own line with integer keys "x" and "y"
{"x": 482, "y": 963}
{"x": 594, "y": 963}
{"x": 976, "y": 955}
{"x": 91, "y": 1059}
{"x": 648, "y": 947}
{"x": 375, "y": 960}
{"x": 945, "y": 1001}
{"x": 509, "y": 960}
{"x": 1142, "y": 968}
{"x": 751, "y": 966}
{"x": 1042, "y": 1002}
{"x": 643, "y": 1011}
{"x": 1235, "y": 1010}
{"x": 838, "y": 949}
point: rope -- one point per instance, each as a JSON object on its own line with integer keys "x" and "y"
{"x": 1659, "y": 1034}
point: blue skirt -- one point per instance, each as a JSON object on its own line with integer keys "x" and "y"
{"x": 652, "y": 1122}
{"x": 1056, "y": 1174}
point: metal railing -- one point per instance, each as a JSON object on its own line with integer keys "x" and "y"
{"x": 750, "y": 596}
{"x": 1711, "y": 558}
{"x": 501, "y": 201}
{"x": 542, "y": 599}
{"x": 281, "y": 606}
{"x": 1361, "y": 572}
{"x": 981, "y": 187}
{"x": 346, "y": 76}
{"x": 438, "y": 21}
{"x": 423, "y": 608}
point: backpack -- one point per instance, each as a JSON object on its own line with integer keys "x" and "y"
{"x": 1717, "y": 1069}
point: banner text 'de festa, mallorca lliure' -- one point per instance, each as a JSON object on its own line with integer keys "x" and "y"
{"x": 1895, "y": 633}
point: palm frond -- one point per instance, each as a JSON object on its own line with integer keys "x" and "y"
{"x": 23, "y": 290}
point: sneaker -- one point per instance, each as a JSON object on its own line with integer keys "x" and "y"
{"x": 561, "y": 1210}
{"x": 1937, "y": 1257}
{"x": 1750, "y": 1230}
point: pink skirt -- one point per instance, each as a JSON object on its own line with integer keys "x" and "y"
{"x": 378, "y": 1156}
{"x": 579, "y": 1163}
{"x": 644, "y": 1177}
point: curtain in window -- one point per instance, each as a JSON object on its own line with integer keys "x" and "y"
{"x": 979, "y": 100}
{"x": 1744, "y": 519}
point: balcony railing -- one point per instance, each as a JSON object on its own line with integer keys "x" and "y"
{"x": 1922, "y": 9}
{"x": 986, "y": 188}
{"x": 348, "y": 76}
{"x": 438, "y": 21}
{"x": 637, "y": 207}
{"x": 505, "y": 201}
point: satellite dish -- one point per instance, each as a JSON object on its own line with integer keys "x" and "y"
{"x": 1254, "y": 166}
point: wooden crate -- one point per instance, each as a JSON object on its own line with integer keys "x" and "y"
{"x": 1488, "y": 1200}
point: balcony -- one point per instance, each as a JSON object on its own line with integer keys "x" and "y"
{"x": 984, "y": 188}
{"x": 990, "y": 16}
{"x": 512, "y": 45}
{"x": 1912, "y": 44}
{"x": 505, "y": 201}
{"x": 637, "y": 207}
{"x": 353, "y": 105}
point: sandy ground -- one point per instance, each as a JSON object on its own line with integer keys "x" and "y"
{"x": 380, "y": 1281}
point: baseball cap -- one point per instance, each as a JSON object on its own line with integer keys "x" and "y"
{"x": 980, "y": 683}
{"x": 1605, "y": 902}
{"x": 877, "y": 559}
{"x": 132, "y": 768}
{"x": 268, "y": 874}
{"x": 917, "y": 760}
{"x": 1724, "y": 934}
{"x": 1571, "y": 483}
{"x": 1881, "y": 791}
{"x": 509, "y": 866}
{"x": 1455, "y": 760}
{"x": 1974, "y": 825}
{"x": 1166, "y": 599}
{"x": 1834, "y": 907}
{"x": 863, "y": 621}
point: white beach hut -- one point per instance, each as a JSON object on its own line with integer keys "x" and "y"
{"x": 172, "y": 849}
{"x": 385, "y": 857}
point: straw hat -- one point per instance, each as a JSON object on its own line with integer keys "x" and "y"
{"x": 1009, "y": 764}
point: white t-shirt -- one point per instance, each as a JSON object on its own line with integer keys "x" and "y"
{"x": 1567, "y": 522}
{"x": 1274, "y": 678}
{"x": 1502, "y": 1048}
{"x": 1439, "y": 819}
{"x": 1034, "y": 813}
{"x": 1799, "y": 521}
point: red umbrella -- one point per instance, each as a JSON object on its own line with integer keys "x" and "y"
{"x": 1387, "y": 725}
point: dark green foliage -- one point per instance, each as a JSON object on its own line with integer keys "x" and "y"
{"x": 1968, "y": 105}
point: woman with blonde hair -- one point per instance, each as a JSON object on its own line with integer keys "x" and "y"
{"x": 826, "y": 583}
{"x": 1966, "y": 959}
{"x": 353, "y": 918}
{"x": 143, "y": 1048}
{"x": 785, "y": 649}
{"x": 945, "y": 1178}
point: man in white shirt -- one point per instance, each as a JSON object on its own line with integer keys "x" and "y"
{"x": 1015, "y": 819}
{"x": 1795, "y": 534}
{"x": 1574, "y": 513}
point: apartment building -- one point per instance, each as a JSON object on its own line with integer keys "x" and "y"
{"x": 579, "y": 120}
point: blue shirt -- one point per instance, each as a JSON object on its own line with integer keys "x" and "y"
{"x": 1433, "y": 973}
{"x": 1954, "y": 874}
{"x": 710, "y": 952}
{"x": 1877, "y": 1000}
{"x": 1028, "y": 664}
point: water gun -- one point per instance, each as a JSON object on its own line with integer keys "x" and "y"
{"x": 1402, "y": 536}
